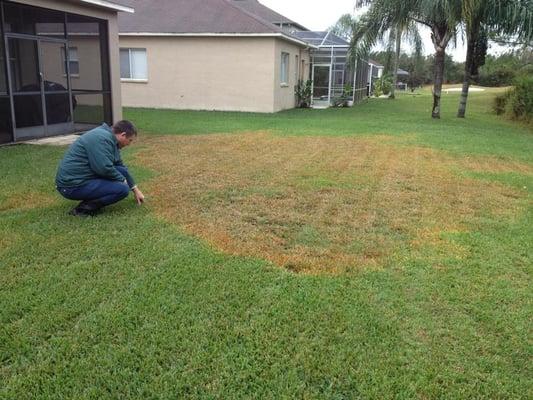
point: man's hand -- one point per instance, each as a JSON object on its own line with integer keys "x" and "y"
{"x": 139, "y": 196}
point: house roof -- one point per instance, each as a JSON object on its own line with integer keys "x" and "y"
{"x": 196, "y": 18}
{"x": 321, "y": 38}
{"x": 256, "y": 8}
{"x": 192, "y": 16}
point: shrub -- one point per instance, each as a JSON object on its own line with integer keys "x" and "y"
{"x": 303, "y": 93}
{"x": 383, "y": 85}
{"x": 521, "y": 100}
{"x": 517, "y": 103}
{"x": 502, "y": 76}
{"x": 500, "y": 102}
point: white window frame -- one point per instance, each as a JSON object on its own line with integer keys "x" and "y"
{"x": 69, "y": 59}
{"x": 130, "y": 58}
{"x": 284, "y": 69}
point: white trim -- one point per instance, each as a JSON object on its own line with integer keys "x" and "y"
{"x": 110, "y": 5}
{"x": 131, "y": 80}
{"x": 206, "y": 34}
{"x": 284, "y": 69}
{"x": 323, "y": 40}
{"x": 334, "y": 46}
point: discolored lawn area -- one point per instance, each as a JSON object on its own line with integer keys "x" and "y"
{"x": 325, "y": 204}
{"x": 363, "y": 253}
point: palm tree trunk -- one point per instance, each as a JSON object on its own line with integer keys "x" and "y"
{"x": 439, "y": 77}
{"x": 396, "y": 62}
{"x": 472, "y": 39}
{"x": 466, "y": 79}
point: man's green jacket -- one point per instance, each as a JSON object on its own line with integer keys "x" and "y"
{"x": 93, "y": 155}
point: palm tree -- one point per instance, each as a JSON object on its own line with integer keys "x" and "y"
{"x": 442, "y": 18}
{"x": 343, "y": 27}
{"x": 506, "y": 17}
{"x": 385, "y": 18}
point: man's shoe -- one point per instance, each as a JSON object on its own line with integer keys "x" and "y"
{"x": 78, "y": 212}
{"x": 86, "y": 208}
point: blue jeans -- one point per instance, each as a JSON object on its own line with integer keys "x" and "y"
{"x": 104, "y": 191}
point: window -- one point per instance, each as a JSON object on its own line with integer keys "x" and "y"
{"x": 73, "y": 61}
{"x": 133, "y": 64}
{"x": 284, "y": 76}
{"x": 296, "y": 65}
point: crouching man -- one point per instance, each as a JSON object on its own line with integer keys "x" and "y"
{"x": 92, "y": 170}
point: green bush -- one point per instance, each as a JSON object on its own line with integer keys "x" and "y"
{"x": 303, "y": 93}
{"x": 383, "y": 85}
{"x": 517, "y": 103}
{"x": 502, "y": 76}
{"x": 521, "y": 101}
{"x": 500, "y": 102}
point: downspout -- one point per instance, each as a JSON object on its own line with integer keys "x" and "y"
{"x": 354, "y": 80}
{"x": 330, "y": 74}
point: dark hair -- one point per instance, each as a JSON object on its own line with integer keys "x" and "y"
{"x": 125, "y": 126}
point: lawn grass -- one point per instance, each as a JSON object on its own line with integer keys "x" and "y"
{"x": 128, "y": 305}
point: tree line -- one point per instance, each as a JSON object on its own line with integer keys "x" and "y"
{"x": 498, "y": 70}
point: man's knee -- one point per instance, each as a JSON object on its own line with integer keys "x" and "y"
{"x": 123, "y": 191}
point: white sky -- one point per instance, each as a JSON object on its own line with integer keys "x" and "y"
{"x": 318, "y": 15}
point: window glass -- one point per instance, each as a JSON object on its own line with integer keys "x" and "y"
{"x": 33, "y": 20}
{"x": 133, "y": 64}
{"x": 284, "y": 68}
{"x": 73, "y": 62}
{"x": 139, "y": 64}
{"x": 125, "y": 70}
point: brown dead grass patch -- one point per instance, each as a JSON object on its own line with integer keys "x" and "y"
{"x": 26, "y": 201}
{"x": 317, "y": 204}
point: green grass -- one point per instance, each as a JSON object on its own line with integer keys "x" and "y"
{"x": 127, "y": 306}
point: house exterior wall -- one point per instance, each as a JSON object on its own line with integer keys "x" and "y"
{"x": 111, "y": 18}
{"x": 204, "y": 73}
{"x": 284, "y": 96}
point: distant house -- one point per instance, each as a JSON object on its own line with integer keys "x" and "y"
{"x": 210, "y": 55}
{"x": 375, "y": 71}
{"x": 59, "y": 67}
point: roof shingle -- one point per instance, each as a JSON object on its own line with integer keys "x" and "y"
{"x": 192, "y": 16}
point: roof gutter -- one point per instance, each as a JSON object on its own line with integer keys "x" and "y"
{"x": 109, "y": 5}
{"x": 206, "y": 34}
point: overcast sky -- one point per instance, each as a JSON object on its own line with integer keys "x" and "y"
{"x": 318, "y": 15}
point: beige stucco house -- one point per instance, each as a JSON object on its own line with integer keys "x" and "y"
{"x": 59, "y": 66}
{"x": 232, "y": 55}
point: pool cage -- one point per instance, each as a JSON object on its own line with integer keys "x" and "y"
{"x": 334, "y": 78}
